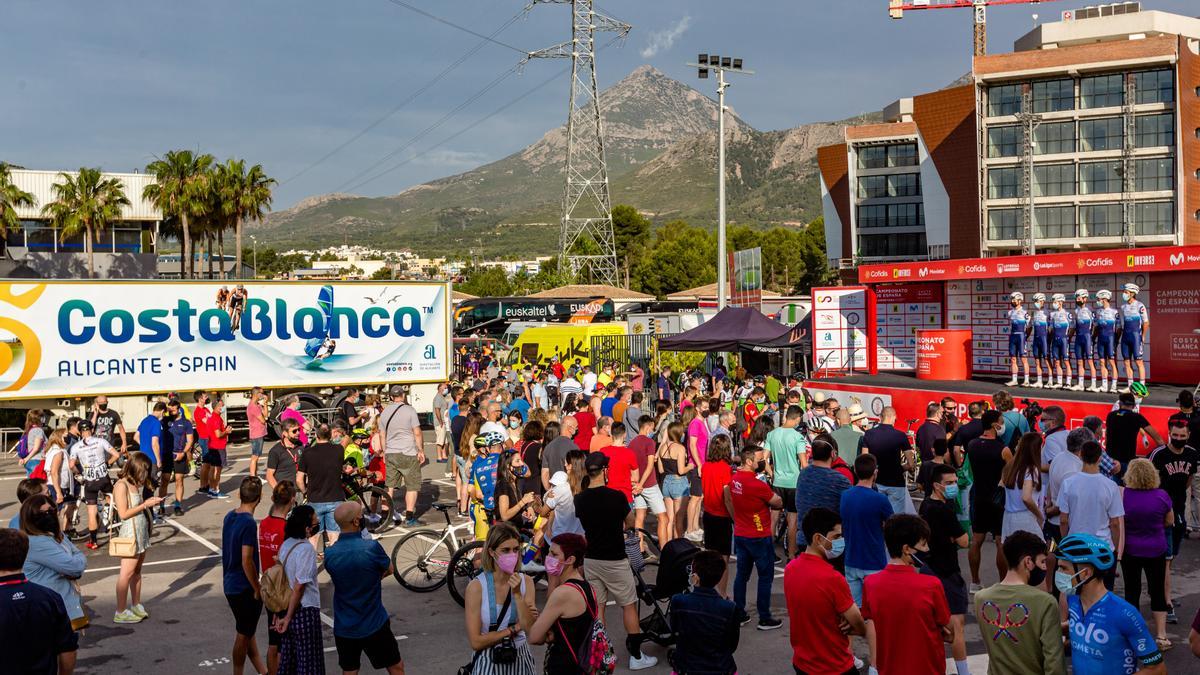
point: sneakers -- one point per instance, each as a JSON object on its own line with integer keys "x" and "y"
{"x": 92, "y": 546}
{"x": 743, "y": 619}
{"x": 769, "y": 624}
{"x": 858, "y": 663}
{"x": 412, "y": 522}
{"x": 177, "y": 510}
{"x": 1122, "y": 390}
{"x": 126, "y": 617}
{"x": 158, "y": 518}
{"x": 696, "y": 536}
{"x": 213, "y": 494}
{"x": 1114, "y": 388}
{"x": 1037, "y": 385}
{"x": 1026, "y": 383}
{"x": 1171, "y": 617}
{"x": 646, "y": 661}
{"x": 1011, "y": 383}
{"x": 975, "y": 588}
{"x": 140, "y": 610}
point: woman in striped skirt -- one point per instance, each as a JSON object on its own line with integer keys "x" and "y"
{"x": 302, "y": 651}
{"x": 489, "y": 622}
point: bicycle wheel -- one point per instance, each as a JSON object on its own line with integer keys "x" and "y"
{"x": 378, "y": 502}
{"x": 464, "y": 566}
{"x": 420, "y": 560}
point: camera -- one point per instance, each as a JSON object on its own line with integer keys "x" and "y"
{"x": 1032, "y": 410}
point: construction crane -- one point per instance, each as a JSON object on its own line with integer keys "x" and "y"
{"x": 897, "y": 8}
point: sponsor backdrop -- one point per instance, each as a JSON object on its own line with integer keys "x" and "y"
{"x": 60, "y": 339}
{"x": 843, "y": 322}
{"x": 1174, "y": 308}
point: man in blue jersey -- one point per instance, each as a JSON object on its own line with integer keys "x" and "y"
{"x": 1060, "y": 351}
{"x": 1039, "y": 343}
{"x": 1108, "y": 635}
{"x": 1018, "y": 321}
{"x": 1106, "y": 340}
{"x": 1135, "y": 326}
{"x": 1082, "y": 340}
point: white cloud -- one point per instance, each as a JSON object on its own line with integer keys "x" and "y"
{"x": 663, "y": 40}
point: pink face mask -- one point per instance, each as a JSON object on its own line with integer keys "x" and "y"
{"x": 554, "y": 566}
{"x": 507, "y": 562}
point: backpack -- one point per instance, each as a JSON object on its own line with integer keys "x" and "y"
{"x": 596, "y": 656}
{"x": 23, "y": 446}
{"x": 276, "y": 590}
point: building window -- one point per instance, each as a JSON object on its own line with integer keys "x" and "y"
{"x": 872, "y": 216}
{"x": 1053, "y": 180}
{"x": 1155, "y": 86}
{"x": 1101, "y": 91}
{"x": 1150, "y": 218}
{"x": 892, "y": 245}
{"x": 1154, "y": 131}
{"x": 1100, "y": 220}
{"x": 1054, "y": 222}
{"x": 1053, "y": 138}
{"x": 1004, "y": 99}
{"x": 872, "y": 157}
{"x": 904, "y": 185}
{"x": 1004, "y": 141}
{"x": 903, "y": 154}
{"x": 1053, "y": 95}
{"x": 906, "y": 215}
{"x": 1157, "y": 173}
{"x": 1004, "y": 224}
{"x": 1101, "y": 134}
{"x": 872, "y": 186}
{"x": 1004, "y": 182}
{"x": 1096, "y": 178}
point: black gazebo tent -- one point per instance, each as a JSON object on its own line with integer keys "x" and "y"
{"x": 731, "y": 329}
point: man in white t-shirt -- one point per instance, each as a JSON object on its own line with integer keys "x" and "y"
{"x": 1090, "y": 502}
{"x": 589, "y": 380}
{"x": 1065, "y": 465}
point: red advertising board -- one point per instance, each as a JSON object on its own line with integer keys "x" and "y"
{"x": 1174, "y": 308}
{"x": 1121, "y": 261}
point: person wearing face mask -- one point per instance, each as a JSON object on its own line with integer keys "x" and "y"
{"x": 1135, "y": 332}
{"x": 565, "y": 624}
{"x": 987, "y": 455}
{"x": 499, "y": 606}
{"x": 1018, "y": 322}
{"x": 53, "y": 561}
{"x": 1081, "y": 341}
{"x": 1106, "y": 321}
{"x": 1060, "y": 350}
{"x": 301, "y": 649}
{"x": 946, "y": 537}
{"x": 750, "y": 500}
{"x": 1035, "y": 644}
{"x": 1108, "y": 635}
{"x": 1039, "y": 333}
{"x": 906, "y": 612}
{"x": 511, "y": 504}
{"x": 356, "y": 566}
{"x": 819, "y": 601}
{"x": 704, "y": 621}
{"x": 1177, "y": 463}
{"x": 107, "y": 424}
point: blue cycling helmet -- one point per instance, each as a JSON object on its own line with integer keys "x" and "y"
{"x": 489, "y": 439}
{"x": 1086, "y": 548}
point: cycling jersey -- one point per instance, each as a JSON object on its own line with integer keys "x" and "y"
{"x": 1106, "y": 320}
{"x": 1060, "y": 322}
{"x": 483, "y": 477}
{"x": 1041, "y": 322}
{"x": 1133, "y": 317}
{"x": 1111, "y": 637}
{"x": 1018, "y": 319}
{"x": 1083, "y": 331}
{"x": 92, "y": 455}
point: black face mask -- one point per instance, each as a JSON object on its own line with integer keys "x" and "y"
{"x": 103, "y": 408}
{"x": 1178, "y": 443}
{"x": 1036, "y": 576}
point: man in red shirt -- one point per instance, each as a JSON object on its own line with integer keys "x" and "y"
{"x": 200, "y": 420}
{"x": 750, "y": 500}
{"x": 906, "y": 612}
{"x": 819, "y": 600}
{"x": 622, "y": 464}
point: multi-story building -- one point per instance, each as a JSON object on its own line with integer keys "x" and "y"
{"x": 1113, "y": 103}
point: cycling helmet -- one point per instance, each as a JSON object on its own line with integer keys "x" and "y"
{"x": 1082, "y": 293}
{"x": 1059, "y": 297}
{"x": 359, "y": 433}
{"x": 487, "y": 440}
{"x": 1132, "y": 288}
{"x": 1016, "y": 295}
{"x": 1039, "y": 297}
{"x": 1104, "y": 295}
{"x": 1139, "y": 390}
{"x": 1086, "y": 548}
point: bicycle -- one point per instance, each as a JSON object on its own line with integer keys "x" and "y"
{"x": 376, "y": 500}
{"x": 421, "y": 559}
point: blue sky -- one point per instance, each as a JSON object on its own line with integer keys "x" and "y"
{"x": 284, "y": 82}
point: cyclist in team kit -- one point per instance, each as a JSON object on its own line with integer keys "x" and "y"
{"x": 1108, "y": 635}
{"x": 90, "y": 458}
{"x": 1106, "y": 340}
{"x": 1082, "y": 341}
{"x": 1018, "y": 321}
{"x": 1135, "y": 323}
{"x": 1039, "y": 342}
{"x": 1060, "y": 350}
{"x": 483, "y": 481}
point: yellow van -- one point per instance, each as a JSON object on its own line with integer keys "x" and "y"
{"x": 539, "y": 344}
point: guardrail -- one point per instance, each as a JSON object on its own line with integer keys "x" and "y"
{"x": 5, "y": 432}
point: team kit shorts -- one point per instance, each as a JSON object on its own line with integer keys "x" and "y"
{"x": 1131, "y": 345}
{"x": 1106, "y": 347}
{"x": 1038, "y": 347}
{"x": 1016, "y": 344}
{"x": 1059, "y": 351}
{"x": 1083, "y": 346}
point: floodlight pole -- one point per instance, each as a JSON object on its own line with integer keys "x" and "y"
{"x": 704, "y": 64}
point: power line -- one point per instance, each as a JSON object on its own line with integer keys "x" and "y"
{"x": 403, "y": 104}
{"x": 489, "y": 38}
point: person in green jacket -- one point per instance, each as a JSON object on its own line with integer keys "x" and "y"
{"x": 1019, "y": 621}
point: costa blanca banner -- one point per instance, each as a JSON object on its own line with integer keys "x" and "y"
{"x": 79, "y": 338}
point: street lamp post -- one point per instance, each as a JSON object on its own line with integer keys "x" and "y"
{"x": 721, "y": 64}
{"x": 254, "y": 253}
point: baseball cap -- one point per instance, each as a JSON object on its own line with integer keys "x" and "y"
{"x": 596, "y": 461}
{"x": 559, "y": 479}
{"x": 399, "y": 390}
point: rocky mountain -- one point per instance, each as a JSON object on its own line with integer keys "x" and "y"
{"x": 661, "y": 147}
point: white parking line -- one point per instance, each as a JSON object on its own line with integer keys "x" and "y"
{"x": 154, "y": 562}
{"x": 207, "y": 544}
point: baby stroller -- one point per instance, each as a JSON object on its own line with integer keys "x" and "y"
{"x": 674, "y": 570}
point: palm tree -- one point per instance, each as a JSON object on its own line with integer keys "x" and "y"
{"x": 179, "y": 190}
{"x": 88, "y": 203}
{"x": 245, "y": 195}
{"x": 11, "y": 197}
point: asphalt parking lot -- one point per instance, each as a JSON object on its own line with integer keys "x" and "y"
{"x": 190, "y": 629}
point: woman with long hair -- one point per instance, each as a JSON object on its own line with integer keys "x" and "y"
{"x": 531, "y": 454}
{"x": 1149, "y": 517}
{"x": 565, "y": 623}
{"x": 758, "y": 433}
{"x": 301, "y": 650}
{"x": 499, "y": 606}
{"x": 462, "y": 460}
{"x": 58, "y": 476}
{"x": 53, "y": 561}
{"x": 1022, "y": 481}
{"x": 514, "y": 425}
{"x": 569, "y": 405}
{"x": 662, "y": 419}
{"x": 717, "y": 520}
{"x": 673, "y": 466}
{"x": 35, "y": 442}
{"x": 135, "y": 524}
{"x": 510, "y": 501}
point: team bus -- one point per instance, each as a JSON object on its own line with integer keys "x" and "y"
{"x": 490, "y": 317}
